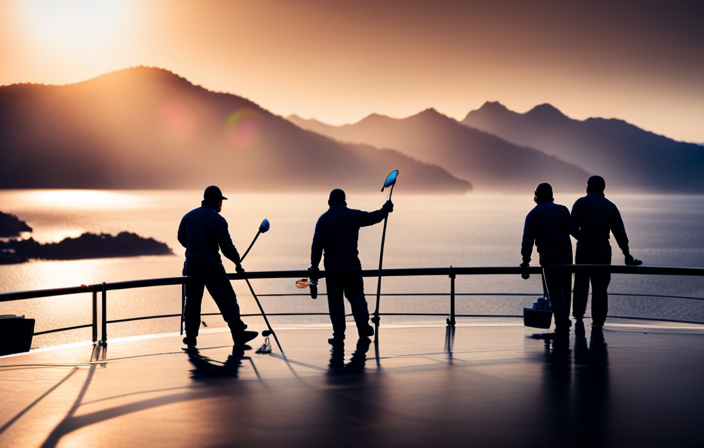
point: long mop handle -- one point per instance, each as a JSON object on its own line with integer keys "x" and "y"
{"x": 250, "y": 246}
{"x": 264, "y": 315}
{"x": 381, "y": 262}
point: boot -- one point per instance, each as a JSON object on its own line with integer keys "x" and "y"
{"x": 243, "y": 337}
{"x": 366, "y": 331}
{"x": 190, "y": 343}
{"x": 240, "y": 335}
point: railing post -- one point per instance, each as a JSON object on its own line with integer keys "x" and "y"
{"x": 183, "y": 305}
{"x": 105, "y": 316}
{"x": 95, "y": 317}
{"x": 451, "y": 320}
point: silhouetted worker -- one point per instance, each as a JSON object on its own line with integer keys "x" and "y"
{"x": 548, "y": 226}
{"x": 336, "y": 234}
{"x": 202, "y": 232}
{"x": 593, "y": 217}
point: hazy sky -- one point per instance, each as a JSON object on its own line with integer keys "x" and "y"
{"x": 340, "y": 60}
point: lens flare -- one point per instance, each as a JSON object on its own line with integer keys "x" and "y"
{"x": 243, "y": 127}
{"x": 179, "y": 120}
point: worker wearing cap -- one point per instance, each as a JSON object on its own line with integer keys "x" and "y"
{"x": 204, "y": 233}
{"x": 548, "y": 226}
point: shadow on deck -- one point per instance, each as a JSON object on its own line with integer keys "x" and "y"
{"x": 492, "y": 384}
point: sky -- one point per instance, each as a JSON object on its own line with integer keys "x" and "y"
{"x": 340, "y": 60}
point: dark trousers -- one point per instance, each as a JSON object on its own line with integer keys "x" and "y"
{"x": 220, "y": 289}
{"x": 350, "y": 284}
{"x": 559, "y": 285}
{"x": 592, "y": 254}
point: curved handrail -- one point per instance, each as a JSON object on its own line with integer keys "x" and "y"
{"x": 393, "y": 272}
{"x": 451, "y": 272}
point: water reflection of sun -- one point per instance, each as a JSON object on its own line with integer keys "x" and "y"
{"x": 80, "y": 199}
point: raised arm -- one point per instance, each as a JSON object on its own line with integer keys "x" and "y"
{"x": 371, "y": 218}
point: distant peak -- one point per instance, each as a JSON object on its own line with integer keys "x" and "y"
{"x": 431, "y": 113}
{"x": 489, "y": 109}
{"x": 493, "y": 106}
{"x": 295, "y": 119}
{"x": 374, "y": 118}
{"x": 547, "y": 111}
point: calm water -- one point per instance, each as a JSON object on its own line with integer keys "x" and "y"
{"x": 470, "y": 230}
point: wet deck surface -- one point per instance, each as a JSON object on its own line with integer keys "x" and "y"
{"x": 634, "y": 384}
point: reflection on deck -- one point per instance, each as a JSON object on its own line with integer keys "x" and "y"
{"x": 481, "y": 384}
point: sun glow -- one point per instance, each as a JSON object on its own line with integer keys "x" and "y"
{"x": 71, "y": 25}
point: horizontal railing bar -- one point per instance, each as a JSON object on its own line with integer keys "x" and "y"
{"x": 405, "y": 272}
{"x": 130, "y": 284}
{"x": 271, "y": 314}
{"x": 286, "y": 314}
{"x": 456, "y": 315}
{"x": 501, "y": 270}
{"x": 56, "y": 330}
{"x": 38, "y": 293}
{"x": 657, "y": 320}
{"x": 622, "y": 269}
{"x": 420, "y": 294}
{"x": 381, "y": 314}
{"x": 655, "y": 295}
{"x": 130, "y": 319}
{"x": 481, "y": 294}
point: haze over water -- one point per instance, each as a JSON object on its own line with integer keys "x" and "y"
{"x": 424, "y": 231}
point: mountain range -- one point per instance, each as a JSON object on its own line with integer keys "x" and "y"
{"x": 491, "y": 163}
{"x": 629, "y": 158}
{"x": 149, "y": 128}
{"x": 142, "y": 128}
{"x": 503, "y": 150}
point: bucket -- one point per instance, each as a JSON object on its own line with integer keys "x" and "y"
{"x": 16, "y": 334}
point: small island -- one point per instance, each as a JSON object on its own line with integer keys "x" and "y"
{"x": 12, "y": 226}
{"x": 88, "y": 245}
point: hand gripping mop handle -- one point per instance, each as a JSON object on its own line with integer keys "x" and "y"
{"x": 390, "y": 182}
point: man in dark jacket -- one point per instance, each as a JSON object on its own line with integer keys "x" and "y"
{"x": 593, "y": 217}
{"x": 336, "y": 234}
{"x": 548, "y": 225}
{"x": 202, "y": 232}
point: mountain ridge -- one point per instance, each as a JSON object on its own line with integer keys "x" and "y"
{"x": 147, "y": 127}
{"x": 493, "y": 163}
{"x": 631, "y": 159}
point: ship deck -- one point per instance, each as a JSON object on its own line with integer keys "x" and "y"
{"x": 492, "y": 383}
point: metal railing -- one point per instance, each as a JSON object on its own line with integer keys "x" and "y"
{"x": 450, "y": 272}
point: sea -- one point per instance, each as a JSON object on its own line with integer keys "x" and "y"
{"x": 475, "y": 229}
